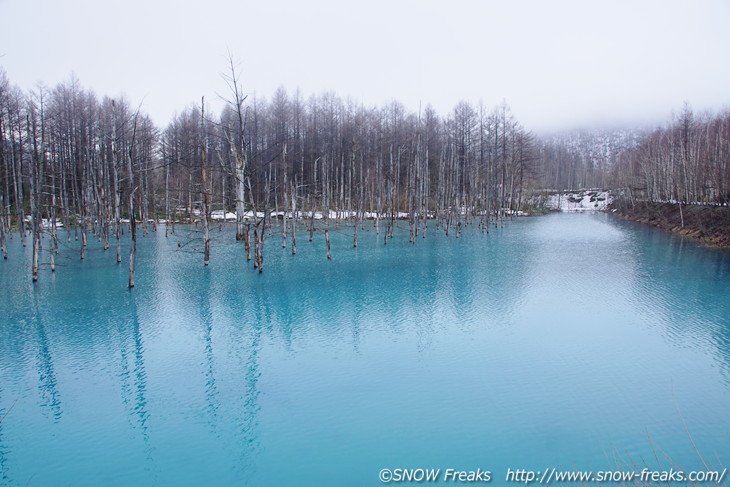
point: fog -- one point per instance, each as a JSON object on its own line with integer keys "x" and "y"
{"x": 560, "y": 65}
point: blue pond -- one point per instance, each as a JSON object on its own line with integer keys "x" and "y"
{"x": 566, "y": 341}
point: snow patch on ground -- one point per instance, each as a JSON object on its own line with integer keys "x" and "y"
{"x": 221, "y": 215}
{"x": 588, "y": 200}
{"x": 508, "y": 212}
{"x": 46, "y": 223}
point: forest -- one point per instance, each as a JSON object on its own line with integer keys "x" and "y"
{"x": 99, "y": 166}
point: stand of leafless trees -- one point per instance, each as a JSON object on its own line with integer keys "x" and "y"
{"x": 687, "y": 161}
{"x": 78, "y": 167}
{"x": 64, "y": 156}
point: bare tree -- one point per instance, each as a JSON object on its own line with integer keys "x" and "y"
{"x": 205, "y": 210}
{"x": 237, "y": 141}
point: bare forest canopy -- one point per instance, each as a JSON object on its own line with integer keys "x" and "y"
{"x": 69, "y": 157}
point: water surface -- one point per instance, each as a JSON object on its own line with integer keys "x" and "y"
{"x": 567, "y": 341}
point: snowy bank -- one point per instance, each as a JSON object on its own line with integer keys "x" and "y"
{"x": 588, "y": 200}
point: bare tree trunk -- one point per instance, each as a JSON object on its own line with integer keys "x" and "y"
{"x": 18, "y": 179}
{"x": 53, "y": 247}
{"x": 145, "y": 192}
{"x": 237, "y": 142}
{"x": 115, "y": 178}
{"x": 132, "y": 217}
{"x": 294, "y": 220}
{"x": 82, "y": 252}
{"x": 240, "y": 209}
{"x": 283, "y": 223}
{"x": 36, "y": 192}
{"x": 132, "y": 245}
{"x": 167, "y": 197}
{"x": 85, "y": 204}
{"x": 36, "y": 248}
{"x": 206, "y": 236}
{"x": 311, "y": 221}
{"x": 256, "y": 247}
{"x": 327, "y": 240}
{"x": 258, "y": 235}
{"x": 681, "y": 214}
{"x": 247, "y": 239}
{"x": 262, "y": 237}
{"x": 2, "y": 230}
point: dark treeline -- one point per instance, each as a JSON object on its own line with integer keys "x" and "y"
{"x": 98, "y": 166}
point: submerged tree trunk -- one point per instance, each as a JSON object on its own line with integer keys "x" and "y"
{"x": 327, "y": 239}
{"x": 259, "y": 235}
{"x": 18, "y": 179}
{"x": 2, "y": 230}
{"x": 204, "y": 215}
{"x": 247, "y": 239}
{"x": 283, "y": 222}
{"x": 132, "y": 247}
{"x": 294, "y": 220}
{"x": 132, "y": 217}
{"x": 115, "y": 179}
{"x": 237, "y": 143}
{"x": 53, "y": 246}
{"x": 255, "y": 247}
{"x": 311, "y": 222}
{"x": 35, "y": 197}
{"x": 262, "y": 237}
{"x": 240, "y": 210}
{"x": 37, "y": 163}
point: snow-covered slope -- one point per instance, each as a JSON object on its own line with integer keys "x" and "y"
{"x": 588, "y": 200}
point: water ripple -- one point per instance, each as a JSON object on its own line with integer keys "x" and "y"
{"x": 559, "y": 340}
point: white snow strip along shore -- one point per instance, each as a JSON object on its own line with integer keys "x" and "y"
{"x": 588, "y": 200}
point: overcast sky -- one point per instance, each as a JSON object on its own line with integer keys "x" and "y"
{"x": 559, "y": 64}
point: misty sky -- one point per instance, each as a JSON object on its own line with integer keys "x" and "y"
{"x": 560, "y": 64}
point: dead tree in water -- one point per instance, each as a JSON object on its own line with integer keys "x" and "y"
{"x": 17, "y": 167}
{"x": 204, "y": 178}
{"x": 2, "y": 230}
{"x": 259, "y": 234}
{"x": 256, "y": 247}
{"x": 132, "y": 217}
{"x": 311, "y": 223}
{"x": 354, "y": 239}
{"x": 237, "y": 142}
{"x": 327, "y": 239}
{"x": 262, "y": 237}
{"x": 247, "y": 239}
{"x": 115, "y": 179}
{"x": 53, "y": 245}
{"x": 294, "y": 220}
{"x": 283, "y": 223}
{"x": 36, "y": 178}
{"x": 326, "y": 158}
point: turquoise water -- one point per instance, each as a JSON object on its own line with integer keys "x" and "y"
{"x": 567, "y": 341}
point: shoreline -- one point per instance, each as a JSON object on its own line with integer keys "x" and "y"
{"x": 706, "y": 224}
